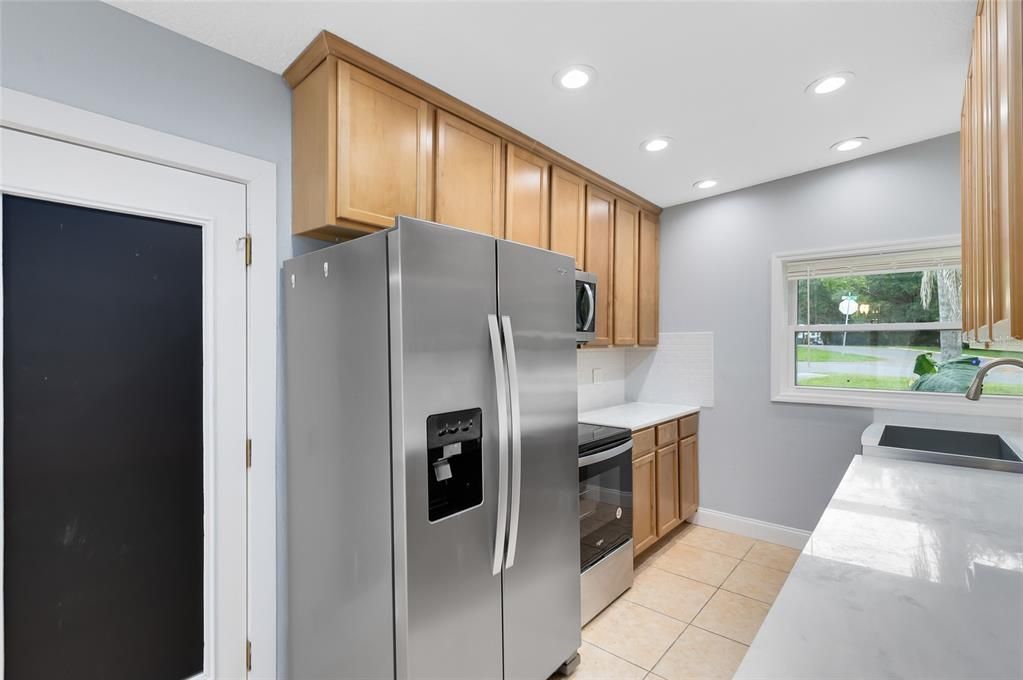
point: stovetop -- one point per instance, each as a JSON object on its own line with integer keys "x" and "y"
{"x": 593, "y": 437}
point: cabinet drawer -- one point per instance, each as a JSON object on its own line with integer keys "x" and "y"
{"x": 687, "y": 426}
{"x": 642, "y": 442}
{"x": 667, "y": 433}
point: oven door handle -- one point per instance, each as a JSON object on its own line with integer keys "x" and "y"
{"x": 604, "y": 455}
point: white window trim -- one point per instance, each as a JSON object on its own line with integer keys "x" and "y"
{"x": 27, "y": 113}
{"x": 783, "y": 369}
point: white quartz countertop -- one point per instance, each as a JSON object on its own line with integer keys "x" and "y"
{"x": 915, "y": 570}
{"x": 636, "y": 415}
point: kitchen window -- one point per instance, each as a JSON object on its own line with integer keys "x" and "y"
{"x": 880, "y": 326}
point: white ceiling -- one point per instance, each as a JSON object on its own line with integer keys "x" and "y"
{"x": 724, "y": 79}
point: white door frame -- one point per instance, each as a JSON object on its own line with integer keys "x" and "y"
{"x": 27, "y": 113}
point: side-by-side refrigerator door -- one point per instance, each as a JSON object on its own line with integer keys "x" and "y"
{"x": 536, "y": 294}
{"x": 447, "y": 414}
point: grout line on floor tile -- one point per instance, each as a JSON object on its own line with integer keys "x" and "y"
{"x": 755, "y": 599}
{"x": 657, "y": 611}
{"x": 668, "y": 649}
{"x": 631, "y": 663}
{"x": 707, "y": 630}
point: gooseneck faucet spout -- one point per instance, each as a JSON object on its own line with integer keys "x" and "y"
{"x": 977, "y": 386}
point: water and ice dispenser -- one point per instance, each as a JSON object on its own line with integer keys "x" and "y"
{"x": 455, "y": 461}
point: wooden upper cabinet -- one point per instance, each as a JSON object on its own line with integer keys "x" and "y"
{"x": 527, "y": 197}
{"x": 599, "y": 260}
{"x": 649, "y": 282}
{"x": 626, "y": 273}
{"x": 991, "y": 175}
{"x": 383, "y": 150}
{"x": 371, "y": 141}
{"x": 467, "y": 183}
{"x": 568, "y": 214}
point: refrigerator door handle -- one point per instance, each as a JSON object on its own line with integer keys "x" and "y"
{"x": 516, "y": 439}
{"x": 502, "y": 441}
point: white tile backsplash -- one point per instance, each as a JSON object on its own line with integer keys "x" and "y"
{"x": 610, "y": 390}
{"x": 680, "y": 370}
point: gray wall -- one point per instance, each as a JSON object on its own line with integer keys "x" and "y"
{"x": 781, "y": 462}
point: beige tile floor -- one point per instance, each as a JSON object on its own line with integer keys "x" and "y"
{"x": 698, "y": 599}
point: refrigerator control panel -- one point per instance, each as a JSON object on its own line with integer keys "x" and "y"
{"x": 454, "y": 461}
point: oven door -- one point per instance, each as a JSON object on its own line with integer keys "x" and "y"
{"x": 585, "y": 306}
{"x": 605, "y": 502}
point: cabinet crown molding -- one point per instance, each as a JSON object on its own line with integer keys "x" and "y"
{"x": 327, "y": 44}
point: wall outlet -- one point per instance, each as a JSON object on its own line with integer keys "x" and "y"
{"x": 598, "y": 375}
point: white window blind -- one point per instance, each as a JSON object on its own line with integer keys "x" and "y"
{"x": 946, "y": 257}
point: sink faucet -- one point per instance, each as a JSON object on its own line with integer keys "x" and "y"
{"x": 977, "y": 386}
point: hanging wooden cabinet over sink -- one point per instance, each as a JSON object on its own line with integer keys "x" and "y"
{"x": 371, "y": 142}
{"x": 991, "y": 145}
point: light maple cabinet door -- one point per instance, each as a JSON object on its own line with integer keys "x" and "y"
{"x": 669, "y": 508}
{"x": 649, "y": 281}
{"x": 644, "y": 500}
{"x": 599, "y": 260}
{"x": 468, "y": 187}
{"x": 527, "y": 198}
{"x": 383, "y": 150}
{"x": 626, "y": 274}
{"x": 568, "y": 214}
{"x": 689, "y": 477}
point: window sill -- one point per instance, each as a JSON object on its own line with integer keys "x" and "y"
{"x": 992, "y": 405}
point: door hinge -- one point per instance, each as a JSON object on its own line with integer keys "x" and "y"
{"x": 248, "y": 453}
{"x": 248, "y": 655}
{"x": 248, "y": 249}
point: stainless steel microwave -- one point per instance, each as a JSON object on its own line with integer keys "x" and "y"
{"x": 585, "y": 306}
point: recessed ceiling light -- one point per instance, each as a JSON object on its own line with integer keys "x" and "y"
{"x": 706, "y": 184}
{"x": 575, "y": 76}
{"x": 830, "y": 83}
{"x": 849, "y": 144}
{"x": 656, "y": 144}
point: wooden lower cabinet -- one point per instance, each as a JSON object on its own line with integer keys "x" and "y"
{"x": 644, "y": 498}
{"x": 669, "y": 507}
{"x": 689, "y": 477}
{"x": 665, "y": 479}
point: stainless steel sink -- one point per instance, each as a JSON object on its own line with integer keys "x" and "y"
{"x": 947, "y": 447}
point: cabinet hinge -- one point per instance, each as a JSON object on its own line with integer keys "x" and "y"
{"x": 248, "y": 453}
{"x": 248, "y": 249}
{"x": 248, "y": 655}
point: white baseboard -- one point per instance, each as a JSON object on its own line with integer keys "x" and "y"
{"x": 753, "y": 528}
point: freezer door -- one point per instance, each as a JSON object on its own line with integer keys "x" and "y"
{"x": 536, "y": 293}
{"x": 443, "y": 289}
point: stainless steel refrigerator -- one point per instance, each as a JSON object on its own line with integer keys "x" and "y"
{"x": 432, "y": 475}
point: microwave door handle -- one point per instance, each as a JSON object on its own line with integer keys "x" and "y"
{"x": 502, "y": 442}
{"x": 601, "y": 456}
{"x": 516, "y": 439}
{"x": 593, "y": 306}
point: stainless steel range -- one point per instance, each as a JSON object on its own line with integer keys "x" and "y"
{"x": 605, "y": 515}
